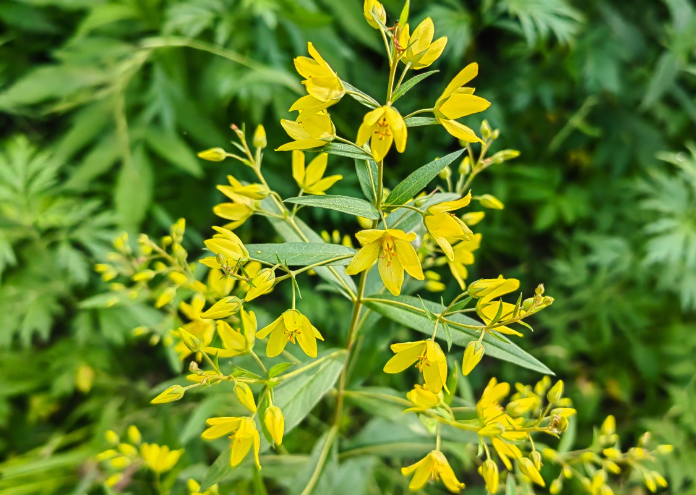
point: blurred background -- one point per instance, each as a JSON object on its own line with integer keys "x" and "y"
{"x": 104, "y": 103}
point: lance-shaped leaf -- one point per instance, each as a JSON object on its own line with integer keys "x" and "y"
{"x": 405, "y": 87}
{"x": 412, "y": 184}
{"x": 342, "y": 149}
{"x": 420, "y": 121}
{"x": 296, "y": 397}
{"x": 301, "y": 253}
{"x": 367, "y": 176}
{"x": 346, "y": 204}
{"x": 407, "y": 311}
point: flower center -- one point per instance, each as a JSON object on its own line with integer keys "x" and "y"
{"x": 383, "y": 130}
{"x": 388, "y": 248}
{"x": 423, "y": 360}
{"x": 292, "y": 333}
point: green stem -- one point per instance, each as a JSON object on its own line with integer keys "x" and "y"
{"x": 403, "y": 74}
{"x": 417, "y": 112}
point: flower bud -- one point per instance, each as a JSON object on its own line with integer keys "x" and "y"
{"x": 114, "y": 480}
{"x": 213, "y": 154}
{"x": 112, "y": 437}
{"x": 495, "y": 134}
{"x": 245, "y": 396}
{"x": 423, "y": 398}
{"x": 555, "y": 393}
{"x": 490, "y": 474}
{"x": 143, "y": 276}
{"x": 549, "y": 454}
{"x": 365, "y": 223}
{"x": 445, "y": 173}
{"x": 492, "y": 430}
{"x": 505, "y": 155}
{"x": 490, "y": 201}
{"x": 134, "y": 435}
{"x": 649, "y": 480}
{"x": 191, "y": 341}
{"x": 535, "y": 456}
{"x": 165, "y": 297}
{"x": 178, "y": 278}
{"x": 261, "y": 284}
{"x": 530, "y": 471}
{"x": 371, "y": 7}
{"x": 609, "y": 426}
{"x": 175, "y": 392}
{"x": 664, "y": 449}
{"x": 612, "y": 467}
{"x": 556, "y": 487}
{"x": 521, "y": 406}
{"x": 611, "y": 453}
{"x": 472, "y": 356}
{"x": 259, "y": 139}
{"x": 661, "y": 481}
{"x": 465, "y": 166}
{"x": 225, "y": 307}
{"x": 275, "y": 423}
{"x": 564, "y": 412}
{"x": 473, "y": 218}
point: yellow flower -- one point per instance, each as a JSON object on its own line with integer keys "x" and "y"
{"x": 423, "y": 399}
{"x": 286, "y": 328}
{"x": 321, "y": 81}
{"x": 311, "y": 132}
{"x": 373, "y": 6}
{"x": 443, "y": 225}
{"x": 233, "y": 341}
{"x": 262, "y": 282}
{"x": 159, "y": 458}
{"x": 225, "y": 307}
{"x": 275, "y": 423}
{"x": 382, "y": 127}
{"x": 244, "y": 437}
{"x": 457, "y": 102}
{"x": 311, "y": 179}
{"x": 238, "y": 212}
{"x": 506, "y": 450}
{"x": 227, "y": 243}
{"x": 175, "y": 392}
{"x": 433, "y": 466}
{"x": 421, "y": 52}
{"x": 395, "y": 252}
{"x": 429, "y": 359}
{"x": 487, "y": 307}
{"x": 245, "y": 396}
{"x": 463, "y": 256}
{"x": 530, "y": 471}
{"x": 238, "y": 192}
{"x": 489, "y": 473}
{"x": 219, "y": 284}
{"x": 203, "y": 330}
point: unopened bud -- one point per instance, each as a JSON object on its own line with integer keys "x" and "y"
{"x": 609, "y": 426}
{"x": 445, "y": 173}
{"x": 555, "y": 393}
{"x": 213, "y": 154}
{"x": 490, "y": 201}
{"x": 134, "y": 435}
{"x": 505, "y": 155}
{"x": 245, "y": 396}
{"x": 175, "y": 392}
{"x": 191, "y": 341}
{"x": 472, "y": 356}
{"x": 465, "y": 166}
{"x": 485, "y": 129}
{"x": 259, "y": 139}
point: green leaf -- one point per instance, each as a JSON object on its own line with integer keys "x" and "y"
{"x": 345, "y": 204}
{"x": 510, "y": 485}
{"x": 361, "y": 96}
{"x": 412, "y": 184}
{"x": 319, "y": 473}
{"x": 460, "y": 304}
{"x": 342, "y": 149}
{"x": 278, "y": 369}
{"x": 415, "y": 318}
{"x": 300, "y": 253}
{"x": 420, "y": 121}
{"x": 296, "y": 397}
{"x": 174, "y": 150}
{"x": 406, "y": 87}
{"x": 367, "y": 176}
{"x": 134, "y": 189}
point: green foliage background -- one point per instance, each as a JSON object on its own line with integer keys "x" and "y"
{"x": 104, "y": 103}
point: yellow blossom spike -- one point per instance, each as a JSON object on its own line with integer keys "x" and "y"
{"x": 434, "y": 466}
{"x": 393, "y": 250}
{"x": 275, "y": 423}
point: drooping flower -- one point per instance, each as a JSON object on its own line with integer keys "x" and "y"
{"x": 203, "y": 330}
{"x": 311, "y": 132}
{"x": 311, "y": 178}
{"x": 225, "y": 307}
{"x": 435, "y": 467}
{"x": 235, "y": 342}
{"x": 245, "y": 396}
{"x": 472, "y": 356}
{"x": 422, "y": 398}
{"x": 463, "y": 256}
{"x": 487, "y": 308}
{"x": 321, "y": 83}
{"x": 244, "y": 436}
{"x": 262, "y": 283}
{"x": 237, "y": 212}
{"x": 458, "y": 101}
{"x": 489, "y": 473}
{"x": 428, "y": 358}
{"x": 395, "y": 253}
{"x": 444, "y": 226}
{"x": 382, "y": 127}
{"x": 159, "y": 458}
{"x": 374, "y": 7}
{"x": 420, "y": 50}
{"x": 227, "y": 243}
{"x": 238, "y": 192}
{"x": 289, "y": 327}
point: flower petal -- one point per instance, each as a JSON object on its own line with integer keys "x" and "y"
{"x": 363, "y": 259}
{"x": 392, "y": 273}
{"x": 408, "y": 258}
